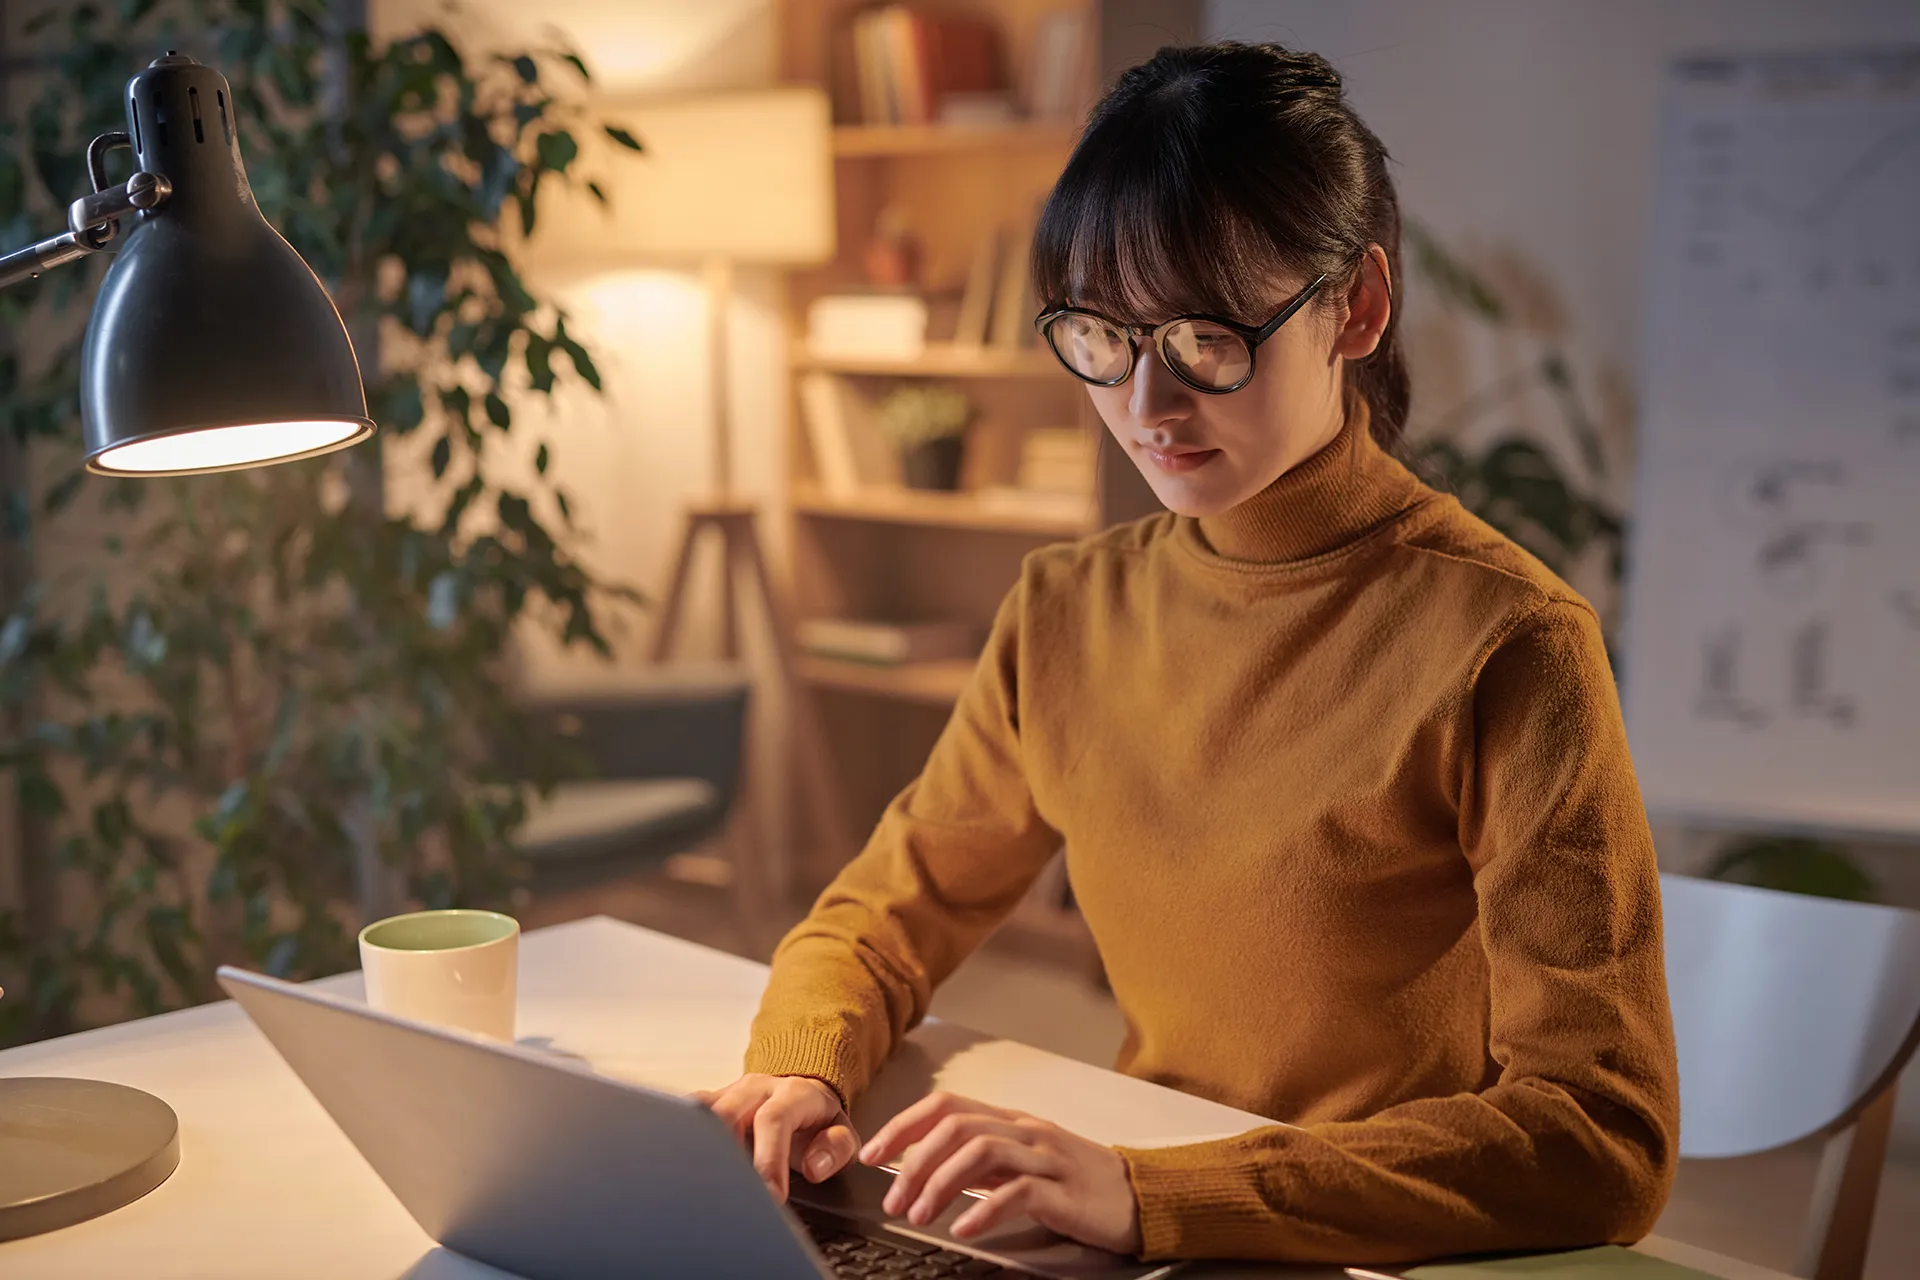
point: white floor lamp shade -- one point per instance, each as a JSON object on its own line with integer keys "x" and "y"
{"x": 723, "y": 179}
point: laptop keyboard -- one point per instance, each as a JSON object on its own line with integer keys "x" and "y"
{"x": 857, "y": 1251}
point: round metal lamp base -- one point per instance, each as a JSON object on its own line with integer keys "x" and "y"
{"x": 71, "y": 1150}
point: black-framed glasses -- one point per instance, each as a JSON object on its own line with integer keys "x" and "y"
{"x": 1209, "y": 353}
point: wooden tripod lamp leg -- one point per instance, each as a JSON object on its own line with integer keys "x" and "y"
{"x": 672, "y": 605}
{"x": 809, "y": 742}
{"x": 741, "y": 846}
{"x": 763, "y": 869}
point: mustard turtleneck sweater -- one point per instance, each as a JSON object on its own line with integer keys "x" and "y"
{"x": 1347, "y": 803}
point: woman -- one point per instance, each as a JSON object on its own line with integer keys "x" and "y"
{"x": 1339, "y": 769}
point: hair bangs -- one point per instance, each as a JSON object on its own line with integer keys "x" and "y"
{"x": 1138, "y": 227}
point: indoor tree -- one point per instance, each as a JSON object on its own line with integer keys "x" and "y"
{"x": 239, "y": 711}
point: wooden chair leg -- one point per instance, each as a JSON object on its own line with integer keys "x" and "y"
{"x": 1840, "y": 1219}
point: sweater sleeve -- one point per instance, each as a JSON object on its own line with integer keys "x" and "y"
{"x": 951, "y": 857}
{"x": 1574, "y": 1141}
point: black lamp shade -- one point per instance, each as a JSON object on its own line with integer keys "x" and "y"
{"x": 211, "y": 346}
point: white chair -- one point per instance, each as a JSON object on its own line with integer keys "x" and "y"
{"x": 1794, "y": 1016}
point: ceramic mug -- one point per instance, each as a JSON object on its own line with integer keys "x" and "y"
{"x": 451, "y": 968}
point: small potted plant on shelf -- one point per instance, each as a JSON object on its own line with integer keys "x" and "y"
{"x": 928, "y": 425}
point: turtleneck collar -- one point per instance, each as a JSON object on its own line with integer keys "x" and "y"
{"x": 1346, "y": 490}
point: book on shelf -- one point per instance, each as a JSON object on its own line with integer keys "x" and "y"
{"x": 1058, "y": 66}
{"x": 917, "y": 67}
{"x": 869, "y": 60}
{"x": 883, "y": 326}
{"x": 849, "y": 451}
{"x": 1013, "y": 306}
{"x": 890, "y": 643}
{"x": 976, "y": 297}
{"x": 827, "y": 433}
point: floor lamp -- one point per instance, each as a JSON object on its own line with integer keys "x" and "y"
{"x": 729, "y": 179}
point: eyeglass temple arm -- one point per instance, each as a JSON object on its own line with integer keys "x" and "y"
{"x": 1300, "y": 300}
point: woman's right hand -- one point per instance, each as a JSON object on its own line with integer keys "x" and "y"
{"x": 786, "y": 1122}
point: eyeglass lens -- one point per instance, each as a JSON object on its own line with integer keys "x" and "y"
{"x": 1204, "y": 353}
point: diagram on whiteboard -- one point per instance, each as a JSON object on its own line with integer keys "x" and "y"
{"x": 1797, "y": 511}
{"x": 1771, "y": 672}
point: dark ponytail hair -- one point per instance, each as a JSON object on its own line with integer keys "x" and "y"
{"x": 1209, "y": 170}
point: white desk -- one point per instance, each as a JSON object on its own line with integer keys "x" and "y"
{"x": 267, "y": 1186}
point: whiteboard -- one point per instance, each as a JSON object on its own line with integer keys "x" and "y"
{"x": 1771, "y": 665}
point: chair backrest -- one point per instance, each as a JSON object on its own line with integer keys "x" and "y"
{"x": 675, "y": 721}
{"x": 1791, "y": 1013}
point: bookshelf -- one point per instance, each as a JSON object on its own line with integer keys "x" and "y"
{"x": 940, "y": 360}
{"x": 1040, "y": 517}
{"x": 910, "y": 140}
{"x": 905, "y": 555}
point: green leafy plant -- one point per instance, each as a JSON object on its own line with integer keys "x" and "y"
{"x": 239, "y": 712}
{"x": 913, "y": 414}
{"x": 1513, "y": 482}
{"x": 1794, "y": 864}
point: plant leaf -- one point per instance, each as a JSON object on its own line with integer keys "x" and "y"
{"x": 497, "y": 412}
{"x": 556, "y": 150}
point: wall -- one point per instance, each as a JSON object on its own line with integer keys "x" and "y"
{"x": 1523, "y": 133}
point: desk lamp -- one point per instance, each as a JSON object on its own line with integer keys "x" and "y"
{"x": 211, "y": 347}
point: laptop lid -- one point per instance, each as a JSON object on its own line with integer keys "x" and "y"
{"x": 527, "y": 1162}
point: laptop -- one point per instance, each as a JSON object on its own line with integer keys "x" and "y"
{"x": 533, "y": 1163}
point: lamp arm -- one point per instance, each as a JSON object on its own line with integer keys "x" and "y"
{"x": 93, "y": 221}
{"x": 54, "y": 251}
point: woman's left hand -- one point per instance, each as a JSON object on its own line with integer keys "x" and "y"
{"x": 1064, "y": 1182}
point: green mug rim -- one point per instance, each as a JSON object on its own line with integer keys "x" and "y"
{"x": 442, "y": 913}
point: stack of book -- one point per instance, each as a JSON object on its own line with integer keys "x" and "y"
{"x": 1057, "y": 460}
{"x": 873, "y": 326}
{"x": 890, "y": 643}
{"x": 923, "y": 68}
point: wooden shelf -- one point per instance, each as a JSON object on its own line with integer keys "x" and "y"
{"x": 937, "y": 684}
{"x": 942, "y": 510}
{"x": 940, "y": 360}
{"x": 851, "y": 140}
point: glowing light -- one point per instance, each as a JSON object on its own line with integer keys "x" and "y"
{"x": 225, "y": 448}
